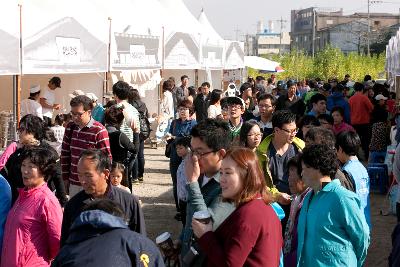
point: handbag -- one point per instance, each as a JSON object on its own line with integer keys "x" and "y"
{"x": 170, "y": 142}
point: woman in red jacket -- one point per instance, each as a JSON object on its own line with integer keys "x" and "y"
{"x": 251, "y": 235}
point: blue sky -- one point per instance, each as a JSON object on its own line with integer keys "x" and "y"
{"x": 228, "y": 15}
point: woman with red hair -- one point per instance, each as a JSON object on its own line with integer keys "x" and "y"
{"x": 251, "y": 235}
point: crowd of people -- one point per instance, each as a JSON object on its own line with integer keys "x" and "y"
{"x": 278, "y": 167}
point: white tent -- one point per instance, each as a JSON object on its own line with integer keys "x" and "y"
{"x": 260, "y": 63}
{"x": 212, "y": 45}
{"x": 63, "y": 37}
{"x": 182, "y": 34}
{"x": 234, "y": 55}
{"x": 135, "y": 36}
{"x": 9, "y": 36}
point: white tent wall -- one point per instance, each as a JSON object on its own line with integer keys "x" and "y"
{"x": 151, "y": 101}
{"x": 177, "y": 75}
{"x": 9, "y": 36}
{"x": 216, "y": 78}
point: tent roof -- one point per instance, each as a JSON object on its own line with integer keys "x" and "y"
{"x": 208, "y": 28}
{"x": 260, "y": 63}
{"x": 9, "y": 36}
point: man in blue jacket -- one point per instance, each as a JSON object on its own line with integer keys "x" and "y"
{"x": 5, "y": 205}
{"x": 100, "y": 237}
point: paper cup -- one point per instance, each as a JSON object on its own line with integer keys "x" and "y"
{"x": 202, "y": 216}
{"x": 165, "y": 243}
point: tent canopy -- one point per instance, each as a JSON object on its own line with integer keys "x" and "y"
{"x": 9, "y": 36}
{"x": 260, "y": 63}
{"x": 212, "y": 45}
{"x": 66, "y": 41}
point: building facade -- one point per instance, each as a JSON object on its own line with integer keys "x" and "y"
{"x": 314, "y": 28}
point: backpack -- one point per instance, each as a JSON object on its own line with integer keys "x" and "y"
{"x": 144, "y": 127}
{"x": 348, "y": 182}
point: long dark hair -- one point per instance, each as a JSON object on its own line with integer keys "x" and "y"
{"x": 244, "y": 131}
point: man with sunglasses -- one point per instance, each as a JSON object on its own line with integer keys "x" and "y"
{"x": 274, "y": 153}
{"x": 82, "y": 133}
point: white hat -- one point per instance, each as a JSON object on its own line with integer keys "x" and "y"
{"x": 92, "y": 96}
{"x": 34, "y": 89}
{"x": 234, "y": 100}
{"x": 380, "y": 97}
{"x": 76, "y": 93}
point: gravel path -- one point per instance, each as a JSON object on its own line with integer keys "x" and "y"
{"x": 159, "y": 208}
{"x": 156, "y": 195}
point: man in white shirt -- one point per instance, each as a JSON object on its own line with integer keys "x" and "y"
{"x": 31, "y": 104}
{"x": 47, "y": 100}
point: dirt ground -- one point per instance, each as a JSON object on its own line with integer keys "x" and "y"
{"x": 159, "y": 210}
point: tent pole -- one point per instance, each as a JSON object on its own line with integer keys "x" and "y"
{"x": 196, "y": 78}
{"x": 162, "y": 69}
{"x": 107, "y": 75}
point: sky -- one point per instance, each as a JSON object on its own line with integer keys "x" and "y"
{"x": 235, "y": 18}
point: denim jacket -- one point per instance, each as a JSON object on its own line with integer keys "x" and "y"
{"x": 332, "y": 230}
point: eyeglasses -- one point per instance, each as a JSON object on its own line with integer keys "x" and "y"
{"x": 77, "y": 114}
{"x": 255, "y": 135}
{"x": 201, "y": 155}
{"x": 235, "y": 106}
{"x": 294, "y": 131}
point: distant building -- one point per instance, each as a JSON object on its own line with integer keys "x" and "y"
{"x": 314, "y": 28}
{"x": 266, "y": 41}
{"x": 273, "y": 43}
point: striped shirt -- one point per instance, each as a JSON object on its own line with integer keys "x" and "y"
{"x": 75, "y": 141}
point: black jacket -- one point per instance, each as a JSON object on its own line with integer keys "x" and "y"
{"x": 12, "y": 173}
{"x": 101, "y": 239}
{"x": 130, "y": 205}
{"x": 201, "y": 107}
{"x": 120, "y": 144}
{"x": 141, "y": 107}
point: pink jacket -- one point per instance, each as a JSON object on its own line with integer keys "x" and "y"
{"x": 33, "y": 228}
{"x": 7, "y": 153}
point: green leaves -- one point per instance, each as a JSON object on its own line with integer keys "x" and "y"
{"x": 328, "y": 63}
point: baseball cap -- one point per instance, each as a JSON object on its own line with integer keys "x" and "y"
{"x": 56, "y": 81}
{"x": 380, "y": 97}
{"x": 34, "y": 89}
{"x": 76, "y": 93}
{"x": 234, "y": 100}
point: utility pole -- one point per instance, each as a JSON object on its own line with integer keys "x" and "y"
{"x": 313, "y": 33}
{"x": 369, "y": 31}
{"x": 237, "y": 32}
{"x": 281, "y": 21}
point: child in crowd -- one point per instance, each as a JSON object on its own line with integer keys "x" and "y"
{"x": 182, "y": 150}
{"x": 118, "y": 174}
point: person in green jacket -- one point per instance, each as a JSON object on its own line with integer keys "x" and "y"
{"x": 332, "y": 230}
{"x": 276, "y": 150}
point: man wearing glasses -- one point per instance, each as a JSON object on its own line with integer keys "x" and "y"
{"x": 209, "y": 145}
{"x": 82, "y": 133}
{"x": 274, "y": 153}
